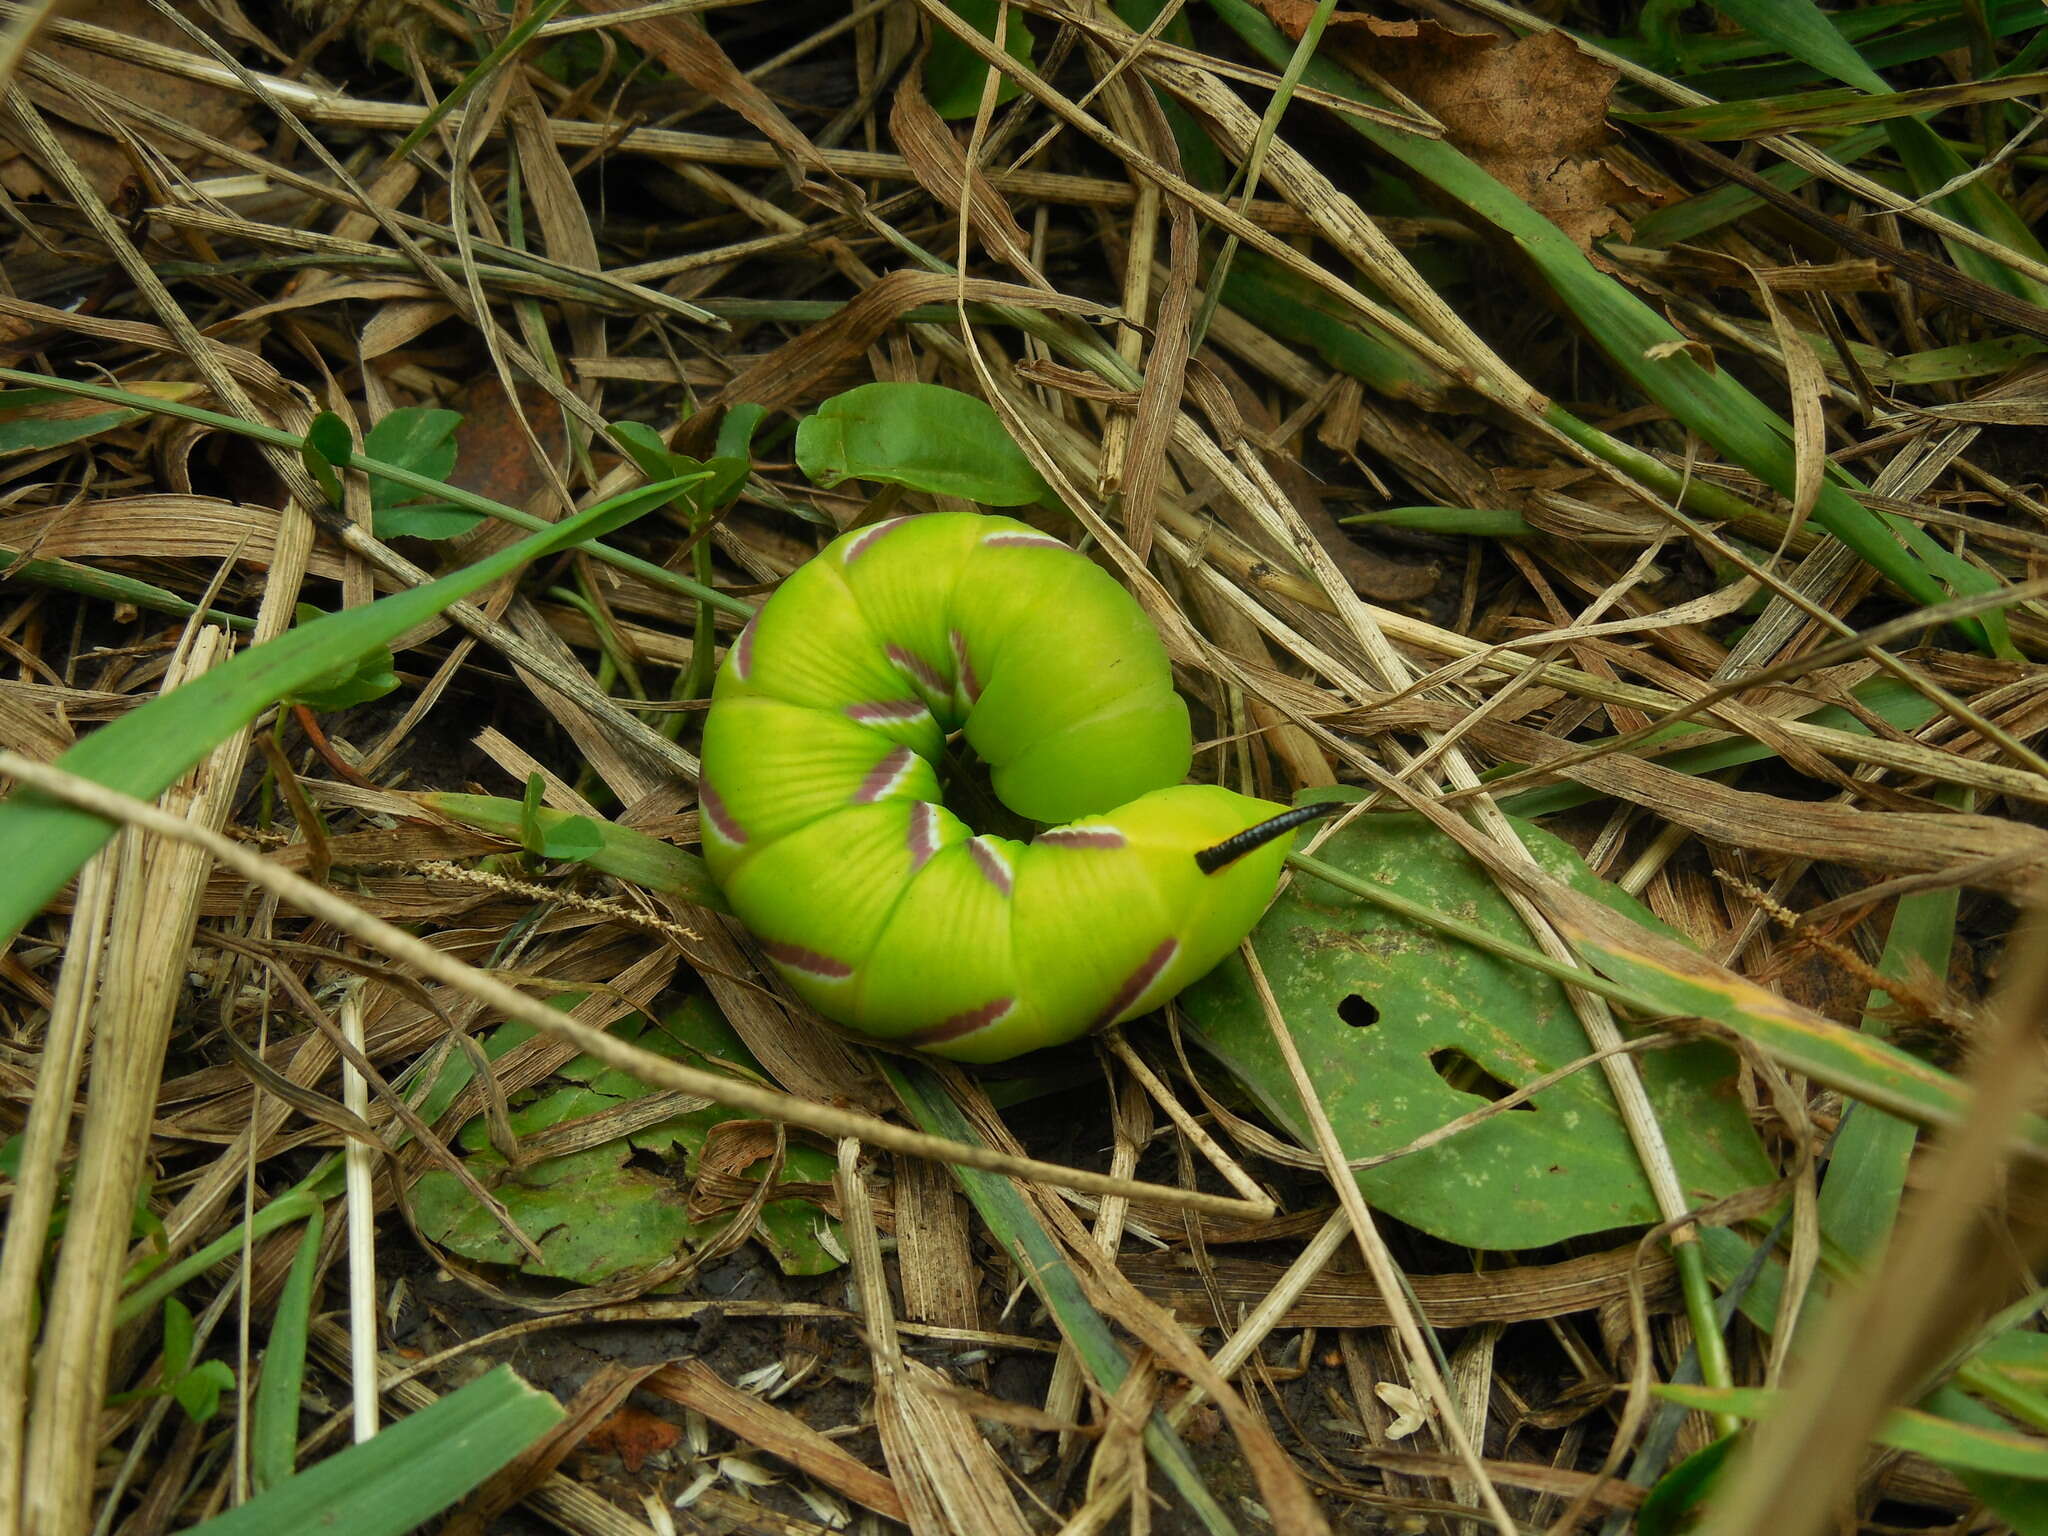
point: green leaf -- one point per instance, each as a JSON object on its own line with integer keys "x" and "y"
{"x": 1983, "y": 1447}
{"x": 1866, "y": 1177}
{"x": 1682, "y": 1490}
{"x": 923, "y": 436}
{"x": 32, "y": 420}
{"x": 178, "y": 1334}
{"x": 1403, "y": 1029}
{"x": 326, "y": 446}
{"x": 594, "y": 1214}
{"x": 420, "y": 439}
{"x": 632, "y": 856}
{"x": 530, "y": 835}
{"x": 2022, "y": 1502}
{"x": 409, "y": 1472}
{"x": 359, "y": 680}
{"x": 1802, "y": 30}
{"x": 643, "y": 445}
{"x": 145, "y": 750}
{"x": 573, "y": 838}
{"x": 274, "y": 1413}
{"x": 954, "y": 74}
{"x": 198, "y": 1391}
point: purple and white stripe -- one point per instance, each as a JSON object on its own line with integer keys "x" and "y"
{"x": 1106, "y": 838}
{"x": 970, "y": 685}
{"x": 966, "y": 1022}
{"x": 993, "y": 864}
{"x": 920, "y": 671}
{"x": 794, "y": 957}
{"x": 1024, "y": 541}
{"x": 1138, "y": 982}
{"x": 922, "y": 835}
{"x": 742, "y": 654}
{"x": 886, "y": 777}
{"x": 867, "y": 538}
{"x": 717, "y": 819}
{"x": 888, "y": 712}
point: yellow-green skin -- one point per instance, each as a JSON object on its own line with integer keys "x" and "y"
{"x": 821, "y": 810}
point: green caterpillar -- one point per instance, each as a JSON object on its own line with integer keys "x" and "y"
{"x": 821, "y": 814}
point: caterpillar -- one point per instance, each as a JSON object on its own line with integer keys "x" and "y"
{"x": 821, "y": 808}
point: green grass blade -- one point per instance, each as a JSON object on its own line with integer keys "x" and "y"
{"x": 1980, "y": 1448}
{"x": 274, "y": 1416}
{"x": 67, "y": 576}
{"x": 1709, "y": 211}
{"x": 145, "y": 750}
{"x": 408, "y": 1473}
{"x": 1859, "y": 1199}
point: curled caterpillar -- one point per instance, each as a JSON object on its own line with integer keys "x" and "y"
{"x": 821, "y": 808}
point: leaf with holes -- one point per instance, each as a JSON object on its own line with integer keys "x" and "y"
{"x": 1403, "y": 1029}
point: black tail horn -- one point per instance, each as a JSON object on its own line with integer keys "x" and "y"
{"x": 1237, "y": 846}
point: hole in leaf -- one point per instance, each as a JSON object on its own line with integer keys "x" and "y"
{"x": 1357, "y": 1012}
{"x": 1467, "y": 1076}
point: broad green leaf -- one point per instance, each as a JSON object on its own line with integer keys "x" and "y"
{"x": 954, "y": 75}
{"x": 326, "y": 448}
{"x": 1977, "y": 1447}
{"x": 592, "y": 1216}
{"x": 923, "y": 436}
{"x": 630, "y": 855}
{"x": 420, "y": 439}
{"x": 409, "y": 1472}
{"x": 1404, "y": 1029}
{"x": 594, "y": 1213}
{"x": 145, "y": 750}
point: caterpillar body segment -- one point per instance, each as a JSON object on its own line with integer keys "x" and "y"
{"x": 821, "y": 813}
